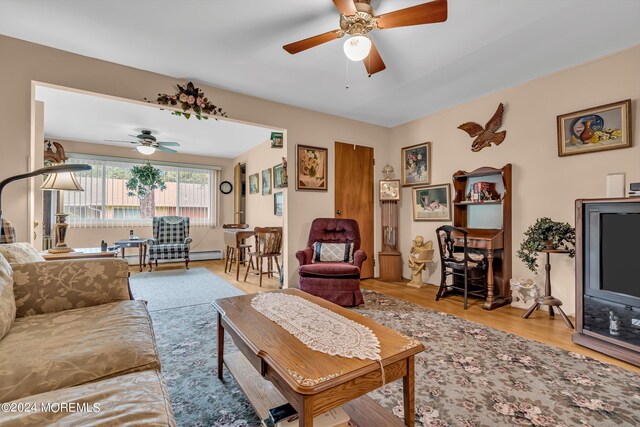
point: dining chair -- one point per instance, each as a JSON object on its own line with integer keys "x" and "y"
{"x": 268, "y": 245}
{"x": 458, "y": 262}
{"x": 233, "y": 253}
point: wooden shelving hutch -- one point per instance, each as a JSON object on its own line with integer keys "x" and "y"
{"x": 489, "y": 226}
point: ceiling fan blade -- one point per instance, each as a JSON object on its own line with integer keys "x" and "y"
{"x": 373, "y": 62}
{"x": 427, "y": 13}
{"x": 346, "y": 7}
{"x": 115, "y": 140}
{"x": 169, "y": 143}
{"x": 165, "y": 149}
{"x": 314, "y": 41}
{"x": 133, "y": 136}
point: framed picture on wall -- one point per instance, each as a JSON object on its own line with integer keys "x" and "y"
{"x": 311, "y": 168}
{"x": 607, "y": 127}
{"x": 253, "y": 183}
{"x": 277, "y": 140}
{"x": 278, "y": 176}
{"x": 390, "y": 189}
{"x": 278, "y": 203}
{"x": 266, "y": 182}
{"x": 416, "y": 164}
{"x": 432, "y": 203}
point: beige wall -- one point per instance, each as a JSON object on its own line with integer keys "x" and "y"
{"x": 259, "y": 208}
{"x": 543, "y": 183}
{"x": 204, "y": 238}
{"x": 24, "y": 62}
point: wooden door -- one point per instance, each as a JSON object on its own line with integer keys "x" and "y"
{"x": 354, "y": 194}
{"x": 237, "y": 194}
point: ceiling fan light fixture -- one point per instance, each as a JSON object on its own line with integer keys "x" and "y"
{"x": 357, "y": 47}
{"x": 147, "y": 150}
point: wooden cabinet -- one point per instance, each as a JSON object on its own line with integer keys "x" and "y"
{"x": 489, "y": 225}
{"x": 390, "y": 257}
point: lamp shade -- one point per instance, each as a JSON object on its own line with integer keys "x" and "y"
{"x": 357, "y": 47}
{"x": 61, "y": 181}
{"x": 146, "y": 149}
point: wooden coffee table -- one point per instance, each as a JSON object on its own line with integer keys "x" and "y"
{"x": 273, "y": 367}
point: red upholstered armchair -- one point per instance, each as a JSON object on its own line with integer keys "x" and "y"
{"x": 338, "y": 282}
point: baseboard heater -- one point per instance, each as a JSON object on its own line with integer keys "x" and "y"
{"x": 132, "y": 259}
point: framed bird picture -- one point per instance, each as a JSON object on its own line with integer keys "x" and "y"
{"x": 416, "y": 164}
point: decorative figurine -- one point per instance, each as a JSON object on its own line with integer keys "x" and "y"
{"x": 524, "y": 293}
{"x": 387, "y": 171}
{"x": 614, "y": 323}
{"x": 421, "y": 253}
{"x": 285, "y": 177}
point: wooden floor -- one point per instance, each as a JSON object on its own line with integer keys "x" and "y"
{"x": 539, "y": 327}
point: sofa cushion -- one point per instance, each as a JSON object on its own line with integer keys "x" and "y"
{"x": 20, "y": 253}
{"x": 50, "y": 351}
{"x": 7, "y": 232}
{"x": 330, "y": 269}
{"x": 332, "y": 252}
{"x": 7, "y": 301}
{"x": 135, "y": 399}
{"x": 169, "y": 251}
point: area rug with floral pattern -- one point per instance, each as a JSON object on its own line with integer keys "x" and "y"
{"x": 469, "y": 375}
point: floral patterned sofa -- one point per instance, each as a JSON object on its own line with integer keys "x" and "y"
{"x": 72, "y": 336}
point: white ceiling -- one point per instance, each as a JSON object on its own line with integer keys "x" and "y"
{"x": 485, "y": 45}
{"x": 80, "y": 117}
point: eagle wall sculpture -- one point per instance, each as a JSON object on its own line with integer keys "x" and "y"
{"x": 484, "y": 137}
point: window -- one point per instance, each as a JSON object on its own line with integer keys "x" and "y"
{"x": 106, "y": 202}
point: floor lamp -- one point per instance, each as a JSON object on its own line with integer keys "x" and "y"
{"x": 53, "y": 171}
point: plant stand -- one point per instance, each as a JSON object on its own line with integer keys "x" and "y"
{"x": 547, "y": 299}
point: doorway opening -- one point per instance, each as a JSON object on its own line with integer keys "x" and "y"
{"x": 103, "y": 130}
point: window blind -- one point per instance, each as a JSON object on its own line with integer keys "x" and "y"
{"x": 107, "y": 202}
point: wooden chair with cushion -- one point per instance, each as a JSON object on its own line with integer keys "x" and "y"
{"x": 466, "y": 268}
{"x": 233, "y": 254}
{"x": 269, "y": 247}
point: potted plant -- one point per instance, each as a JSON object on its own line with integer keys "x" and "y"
{"x": 143, "y": 183}
{"x": 546, "y": 234}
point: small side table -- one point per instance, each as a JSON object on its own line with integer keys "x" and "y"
{"x": 547, "y": 299}
{"x": 141, "y": 244}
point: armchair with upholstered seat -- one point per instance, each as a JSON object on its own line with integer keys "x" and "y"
{"x": 170, "y": 239}
{"x": 330, "y": 265}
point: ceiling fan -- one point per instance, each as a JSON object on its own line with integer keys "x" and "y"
{"x": 357, "y": 19}
{"x": 147, "y": 143}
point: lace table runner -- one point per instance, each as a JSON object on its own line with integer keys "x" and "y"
{"x": 318, "y": 328}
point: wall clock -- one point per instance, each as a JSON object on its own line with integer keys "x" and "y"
{"x": 226, "y": 187}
